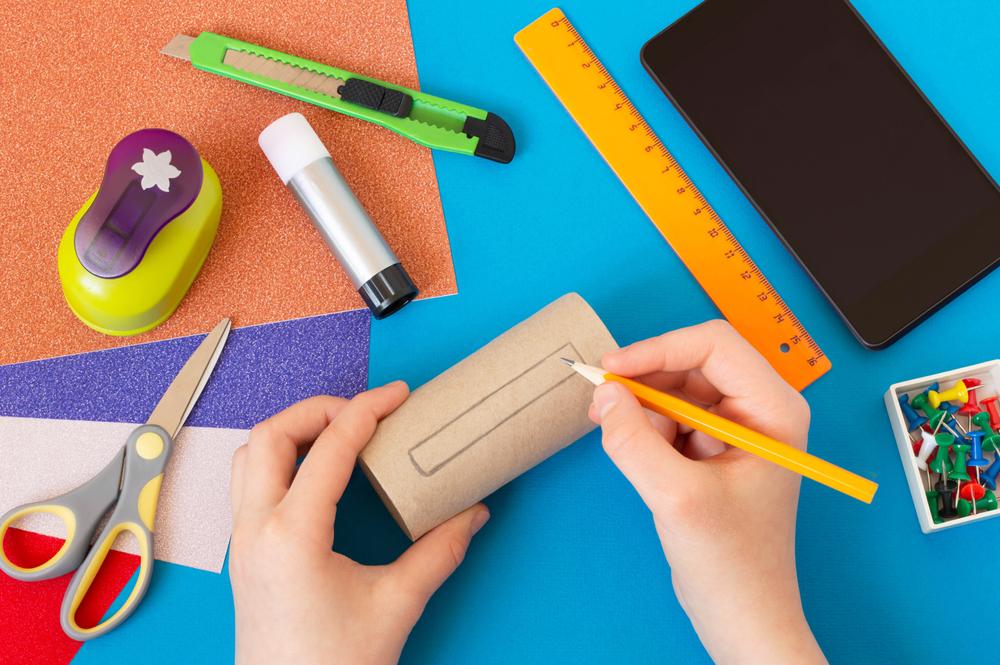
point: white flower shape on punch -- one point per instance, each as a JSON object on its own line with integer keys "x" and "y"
{"x": 156, "y": 170}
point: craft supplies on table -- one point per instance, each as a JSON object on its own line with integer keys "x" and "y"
{"x": 430, "y": 121}
{"x": 947, "y": 429}
{"x": 268, "y": 263}
{"x": 667, "y": 195}
{"x": 303, "y": 163}
{"x": 130, "y": 254}
{"x": 128, "y": 487}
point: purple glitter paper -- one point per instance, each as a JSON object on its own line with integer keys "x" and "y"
{"x": 262, "y": 370}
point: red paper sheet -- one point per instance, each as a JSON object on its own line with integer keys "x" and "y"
{"x": 29, "y": 611}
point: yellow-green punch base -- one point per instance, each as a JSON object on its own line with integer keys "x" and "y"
{"x": 146, "y": 296}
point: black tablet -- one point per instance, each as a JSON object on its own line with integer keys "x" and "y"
{"x": 837, "y": 148}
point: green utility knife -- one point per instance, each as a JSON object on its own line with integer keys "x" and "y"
{"x": 422, "y": 118}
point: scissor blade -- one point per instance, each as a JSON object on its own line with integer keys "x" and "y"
{"x": 176, "y": 404}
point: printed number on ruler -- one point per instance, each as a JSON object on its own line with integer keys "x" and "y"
{"x": 668, "y": 196}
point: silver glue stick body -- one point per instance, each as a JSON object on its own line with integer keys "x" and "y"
{"x": 303, "y": 163}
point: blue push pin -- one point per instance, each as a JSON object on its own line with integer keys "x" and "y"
{"x": 989, "y": 477}
{"x": 951, "y": 424}
{"x": 976, "y": 456}
{"x": 913, "y": 419}
{"x": 959, "y": 437}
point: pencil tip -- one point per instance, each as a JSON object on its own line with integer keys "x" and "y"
{"x": 568, "y": 361}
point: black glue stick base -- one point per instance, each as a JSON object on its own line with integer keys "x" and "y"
{"x": 388, "y": 291}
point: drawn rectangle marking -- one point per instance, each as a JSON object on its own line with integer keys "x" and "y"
{"x": 491, "y": 412}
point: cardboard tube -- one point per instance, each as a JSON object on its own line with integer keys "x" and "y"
{"x": 488, "y": 419}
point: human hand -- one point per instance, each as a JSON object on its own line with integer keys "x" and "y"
{"x": 726, "y": 518}
{"x": 296, "y": 600}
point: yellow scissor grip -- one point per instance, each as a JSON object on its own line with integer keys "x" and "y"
{"x": 149, "y": 497}
{"x": 96, "y": 561}
{"x": 62, "y": 512}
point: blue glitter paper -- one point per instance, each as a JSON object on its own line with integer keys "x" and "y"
{"x": 262, "y": 370}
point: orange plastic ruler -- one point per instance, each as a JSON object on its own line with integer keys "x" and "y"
{"x": 666, "y": 194}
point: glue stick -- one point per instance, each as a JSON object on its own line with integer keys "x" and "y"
{"x": 303, "y": 163}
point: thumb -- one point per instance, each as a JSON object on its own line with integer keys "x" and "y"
{"x": 650, "y": 462}
{"x": 423, "y": 568}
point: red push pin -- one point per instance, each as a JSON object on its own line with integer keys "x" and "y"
{"x": 971, "y": 407}
{"x": 972, "y": 489}
{"x": 990, "y": 404}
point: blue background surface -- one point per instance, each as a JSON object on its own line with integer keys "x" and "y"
{"x": 569, "y": 568}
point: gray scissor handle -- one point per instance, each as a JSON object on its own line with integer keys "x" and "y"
{"x": 146, "y": 454}
{"x": 80, "y": 510}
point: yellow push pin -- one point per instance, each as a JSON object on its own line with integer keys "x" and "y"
{"x": 957, "y": 392}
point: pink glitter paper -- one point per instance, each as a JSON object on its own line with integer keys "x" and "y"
{"x": 40, "y": 459}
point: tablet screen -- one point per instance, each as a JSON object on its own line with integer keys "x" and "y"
{"x": 839, "y": 151}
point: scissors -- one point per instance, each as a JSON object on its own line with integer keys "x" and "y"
{"x": 131, "y": 484}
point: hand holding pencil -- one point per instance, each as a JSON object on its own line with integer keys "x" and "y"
{"x": 729, "y": 432}
{"x": 725, "y": 517}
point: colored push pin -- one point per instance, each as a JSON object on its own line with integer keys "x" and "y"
{"x": 957, "y": 392}
{"x": 941, "y": 463}
{"x": 959, "y": 471}
{"x": 972, "y": 492}
{"x": 976, "y": 458}
{"x": 932, "y": 503}
{"x": 945, "y": 490}
{"x": 927, "y": 446}
{"x": 971, "y": 407}
{"x": 913, "y": 419}
{"x": 982, "y": 421}
{"x": 950, "y": 423}
{"x": 988, "y": 502}
{"x": 992, "y": 408}
{"x": 935, "y": 416}
{"x": 989, "y": 476}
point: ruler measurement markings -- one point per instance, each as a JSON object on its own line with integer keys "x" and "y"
{"x": 575, "y": 92}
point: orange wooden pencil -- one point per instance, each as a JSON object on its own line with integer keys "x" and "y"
{"x": 737, "y": 435}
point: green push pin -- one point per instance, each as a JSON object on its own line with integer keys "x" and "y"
{"x": 988, "y": 502}
{"x": 942, "y": 461}
{"x": 934, "y": 416}
{"x": 959, "y": 472}
{"x": 932, "y": 503}
{"x": 992, "y": 440}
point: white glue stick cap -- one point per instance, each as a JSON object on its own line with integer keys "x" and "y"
{"x": 290, "y": 144}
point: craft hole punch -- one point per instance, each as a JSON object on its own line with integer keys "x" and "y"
{"x": 132, "y": 251}
{"x": 951, "y": 464}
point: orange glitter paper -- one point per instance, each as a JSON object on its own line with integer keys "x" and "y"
{"x": 77, "y": 77}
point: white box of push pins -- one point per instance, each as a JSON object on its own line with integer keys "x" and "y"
{"x": 946, "y": 427}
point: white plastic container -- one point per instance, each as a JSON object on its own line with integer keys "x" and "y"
{"x": 989, "y": 374}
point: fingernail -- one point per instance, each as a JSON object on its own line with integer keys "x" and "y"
{"x": 479, "y": 519}
{"x": 605, "y": 398}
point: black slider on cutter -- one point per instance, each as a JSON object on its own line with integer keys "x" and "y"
{"x": 376, "y": 97}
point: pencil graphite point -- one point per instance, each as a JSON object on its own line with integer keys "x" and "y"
{"x": 593, "y": 374}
